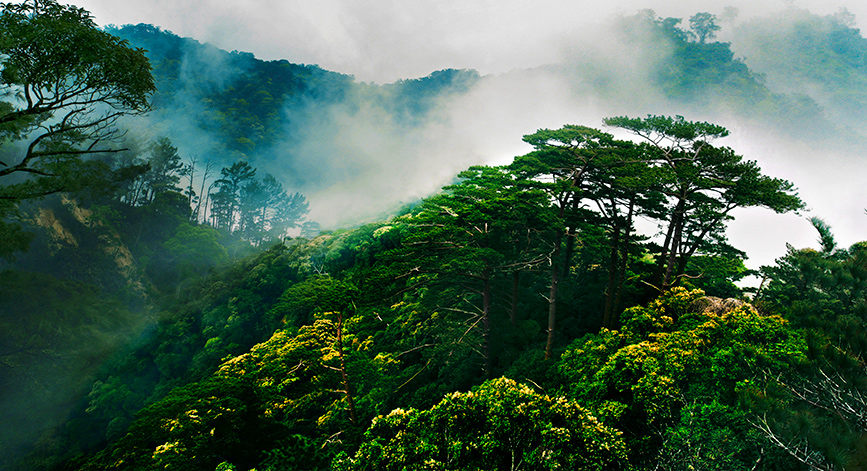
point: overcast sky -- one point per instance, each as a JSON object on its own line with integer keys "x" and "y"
{"x": 385, "y": 40}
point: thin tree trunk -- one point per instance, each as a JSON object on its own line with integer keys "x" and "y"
{"x": 570, "y": 241}
{"x": 663, "y": 254}
{"x": 674, "y": 246}
{"x": 552, "y": 297}
{"x": 190, "y": 186}
{"x": 486, "y": 323}
{"x": 623, "y": 264}
{"x": 567, "y": 256}
{"x": 202, "y": 194}
{"x": 513, "y": 313}
{"x": 613, "y": 265}
{"x": 136, "y": 192}
{"x": 345, "y": 377}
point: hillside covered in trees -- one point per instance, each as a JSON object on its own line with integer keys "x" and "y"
{"x": 169, "y": 302}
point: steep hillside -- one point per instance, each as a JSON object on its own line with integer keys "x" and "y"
{"x": 184, "y": 317}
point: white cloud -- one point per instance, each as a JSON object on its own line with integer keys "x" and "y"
{"x": 392, "y": 39}
{"x": 385, "y": 40}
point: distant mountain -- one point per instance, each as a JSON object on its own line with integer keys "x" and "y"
{"x": 794, "y": 70}
{"x": 799, "y": 77}
{"x": 247, "y": 105}
{"x": 823, "y": 57}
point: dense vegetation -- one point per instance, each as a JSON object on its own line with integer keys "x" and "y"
{"x": 518, "y": 319}
{"x": 283, "y": 359}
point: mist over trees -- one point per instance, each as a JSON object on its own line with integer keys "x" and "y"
{"x": 166, "y": 303}
{"x": 280, "y": 116}
{"x": 313, "y": 339}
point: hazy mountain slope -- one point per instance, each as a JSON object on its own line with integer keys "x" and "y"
{"x": 245, "y": 105}
{"x": 340, "y": 141}
{"x": 359, "y": 149}
{"x": 823, "y": 57}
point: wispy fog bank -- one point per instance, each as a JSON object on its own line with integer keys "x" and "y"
{"x": 386, "y": 40}
{"x": 544, "y": 64}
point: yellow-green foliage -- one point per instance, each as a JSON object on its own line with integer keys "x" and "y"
{"x": 501, "y": 424}
{"x": 668, "y": 358}
{"x": 296, "y": 374}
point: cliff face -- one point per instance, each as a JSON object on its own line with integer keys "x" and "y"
{"x": 63, "y": 226}
{"x": 47, "y": 220}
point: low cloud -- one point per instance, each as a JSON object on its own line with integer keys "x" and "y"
{"x": 544, "y": 64}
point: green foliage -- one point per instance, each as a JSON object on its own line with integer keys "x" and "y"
{"x": 161, "y": 175}
{"x": 676, "y": 129}
{"x": 67, "y": 93}
{"x": 486, "y": 226}
{"x": 56, "y": 332}
{"x": 825, "y": 291}
{"x": 318, "y": 294}
{"x": 691, "y": 69}
{"x": 194, "y": 250}
{"x": 649, "y": 377}
{"x": 703, "y": 26}
{"x": 716, "y": 275}
{"x": 281, "y": 360}
{"x": 824, "y": 57}
{"x": 297, "y": 391}
{"x": 15, "y": 238}
{"x": 702, "y": 185}
{"x": 499, "y": 425}
{"x": 194, "y": 428}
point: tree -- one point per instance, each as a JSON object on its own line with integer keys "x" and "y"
{"x": 225, "y": 202}
{"x": 671, "y": 379}
{"x": 266, "y": 210}
{"x": 64, "y": 84}
{"x": 476, "y": 230}
{"x": 823, "y": 291}
{"x": 622, "y": 187}
{"x": 561, "y": 164}
{"x": 703, "y": 184}
{"x": 703, "y": 26}
{"x": 163, "y": 173}
{"x": 194, "y": 428}
{"x": 287, "y": 210}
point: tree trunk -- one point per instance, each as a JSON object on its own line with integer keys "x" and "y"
{"x": 570, "y": 240}
{"x": 343, "y": 375}
{"x": 486, "y": 323}
{"x": 552, "y": 298}
{"x": 513, "y": 312}
{"x": 202, "y": 194}
{"x": 623, "y": 264}
{"x": 613, "y": 266}
{"x": 567, "y": 255}
{"x": 677, "y": 222}
{"x": 190, "y": 186}
{"x": 663, "y": 254}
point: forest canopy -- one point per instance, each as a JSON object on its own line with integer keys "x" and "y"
{"x": 580, "y": 307}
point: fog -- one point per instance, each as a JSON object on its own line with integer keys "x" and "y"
{"x": 543, "y": 65}
{"x": 387, "y": 40}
